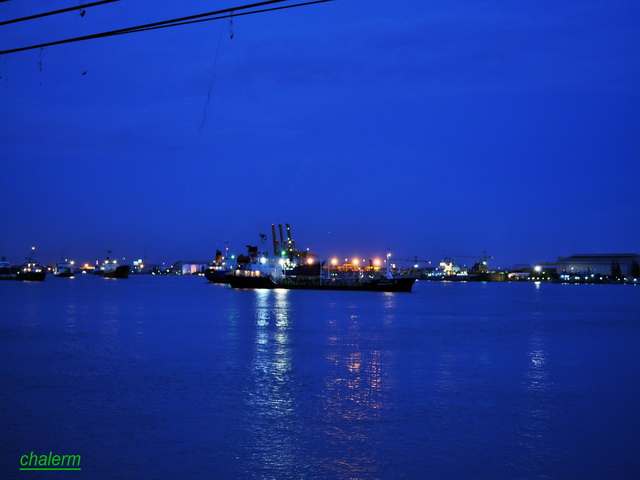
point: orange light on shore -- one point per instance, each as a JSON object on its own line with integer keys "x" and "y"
{"x": 356, "y": 261}
{"x": 376, "y": 262}
{"x": 334, "y": 261}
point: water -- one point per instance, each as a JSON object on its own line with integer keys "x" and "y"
{"x": 171, "y": 377}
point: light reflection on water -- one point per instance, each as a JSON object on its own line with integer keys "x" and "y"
{"x": 274, "y": 421}
{"x": 536, "y": 409}
{"x": 175, "y": 377}
{"x": 351, "y": 399}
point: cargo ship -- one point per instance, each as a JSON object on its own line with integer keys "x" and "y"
{"x": 293, "y": 269}
{"x": 371, "y": 284}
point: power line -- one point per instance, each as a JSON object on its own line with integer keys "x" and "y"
{"x": 55, "y": 12}
{"x": 232, "y": 14}
{"x": 216, "y": 15}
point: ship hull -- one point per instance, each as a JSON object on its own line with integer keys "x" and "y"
{"x": 216, "y": 276}
{"x": 31, "y": 276}
{"x": 374, "y": 285}
{"x": 63, "y": 273}
{"x": 8, "y": 273}
{"x": 121, "y": 271}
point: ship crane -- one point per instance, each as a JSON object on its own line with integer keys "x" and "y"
{"x": 484, "y": 257}
{"x": 481, "y": 264}
{"x": 415, "y": 260}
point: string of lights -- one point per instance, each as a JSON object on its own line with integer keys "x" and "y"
{"x": 202, "y": 17}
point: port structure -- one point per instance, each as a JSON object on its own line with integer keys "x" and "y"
{"x": 415, "y": 261}
{"x": 285, "y": 247}
{"x": 481, "y": 264}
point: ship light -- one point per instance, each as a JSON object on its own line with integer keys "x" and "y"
{"x": 263, "y": 260}
{"x": 334, "y": 261}
{"x": 309, "y": 261}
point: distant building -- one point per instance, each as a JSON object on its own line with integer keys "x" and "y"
{"x": 597, "y": 264}
{"x": 189, "y": 267}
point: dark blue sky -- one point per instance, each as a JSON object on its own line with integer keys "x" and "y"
{"x": 433, "y": 128}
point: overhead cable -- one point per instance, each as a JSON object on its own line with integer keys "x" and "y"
{"x": 55, "y": 12}
{"x": 203, "y": 17}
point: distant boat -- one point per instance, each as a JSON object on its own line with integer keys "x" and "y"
{"x": 111, "y": 269}
{"x": 63, "y": 269}
{"x": 31, "y": 271}
{"x": 219, "y": 269}
{"x": 300, "y": 270}
{"x": 217, "y": 273}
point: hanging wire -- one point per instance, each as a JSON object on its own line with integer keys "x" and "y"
{"x": 213, "y": 75}
{"x": 56, "y": 12}
{"x": 217, "y": 15}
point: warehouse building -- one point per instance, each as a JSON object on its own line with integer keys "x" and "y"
{"x": 600, "y": 264}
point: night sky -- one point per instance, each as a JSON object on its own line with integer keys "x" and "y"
{"x": 441, "y": 128}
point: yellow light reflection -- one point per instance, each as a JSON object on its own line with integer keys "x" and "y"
{"x": 353, "y": 392}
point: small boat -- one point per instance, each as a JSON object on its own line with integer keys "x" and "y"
{"x": 31, "y": 271}
{"x": 220, "y": 268}
{"x": 111, "y": 269}
{"x": 64, "y": 269}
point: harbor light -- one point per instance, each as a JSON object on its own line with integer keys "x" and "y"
{"x": 263, "y": 260}
{"x": 309, "y": 261}
{"x": 376, "y": 262}
{"x": 334, "y": 261}
{"x": 356, "y": 261}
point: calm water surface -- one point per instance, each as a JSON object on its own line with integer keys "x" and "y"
{"x": 172, "y": 377}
